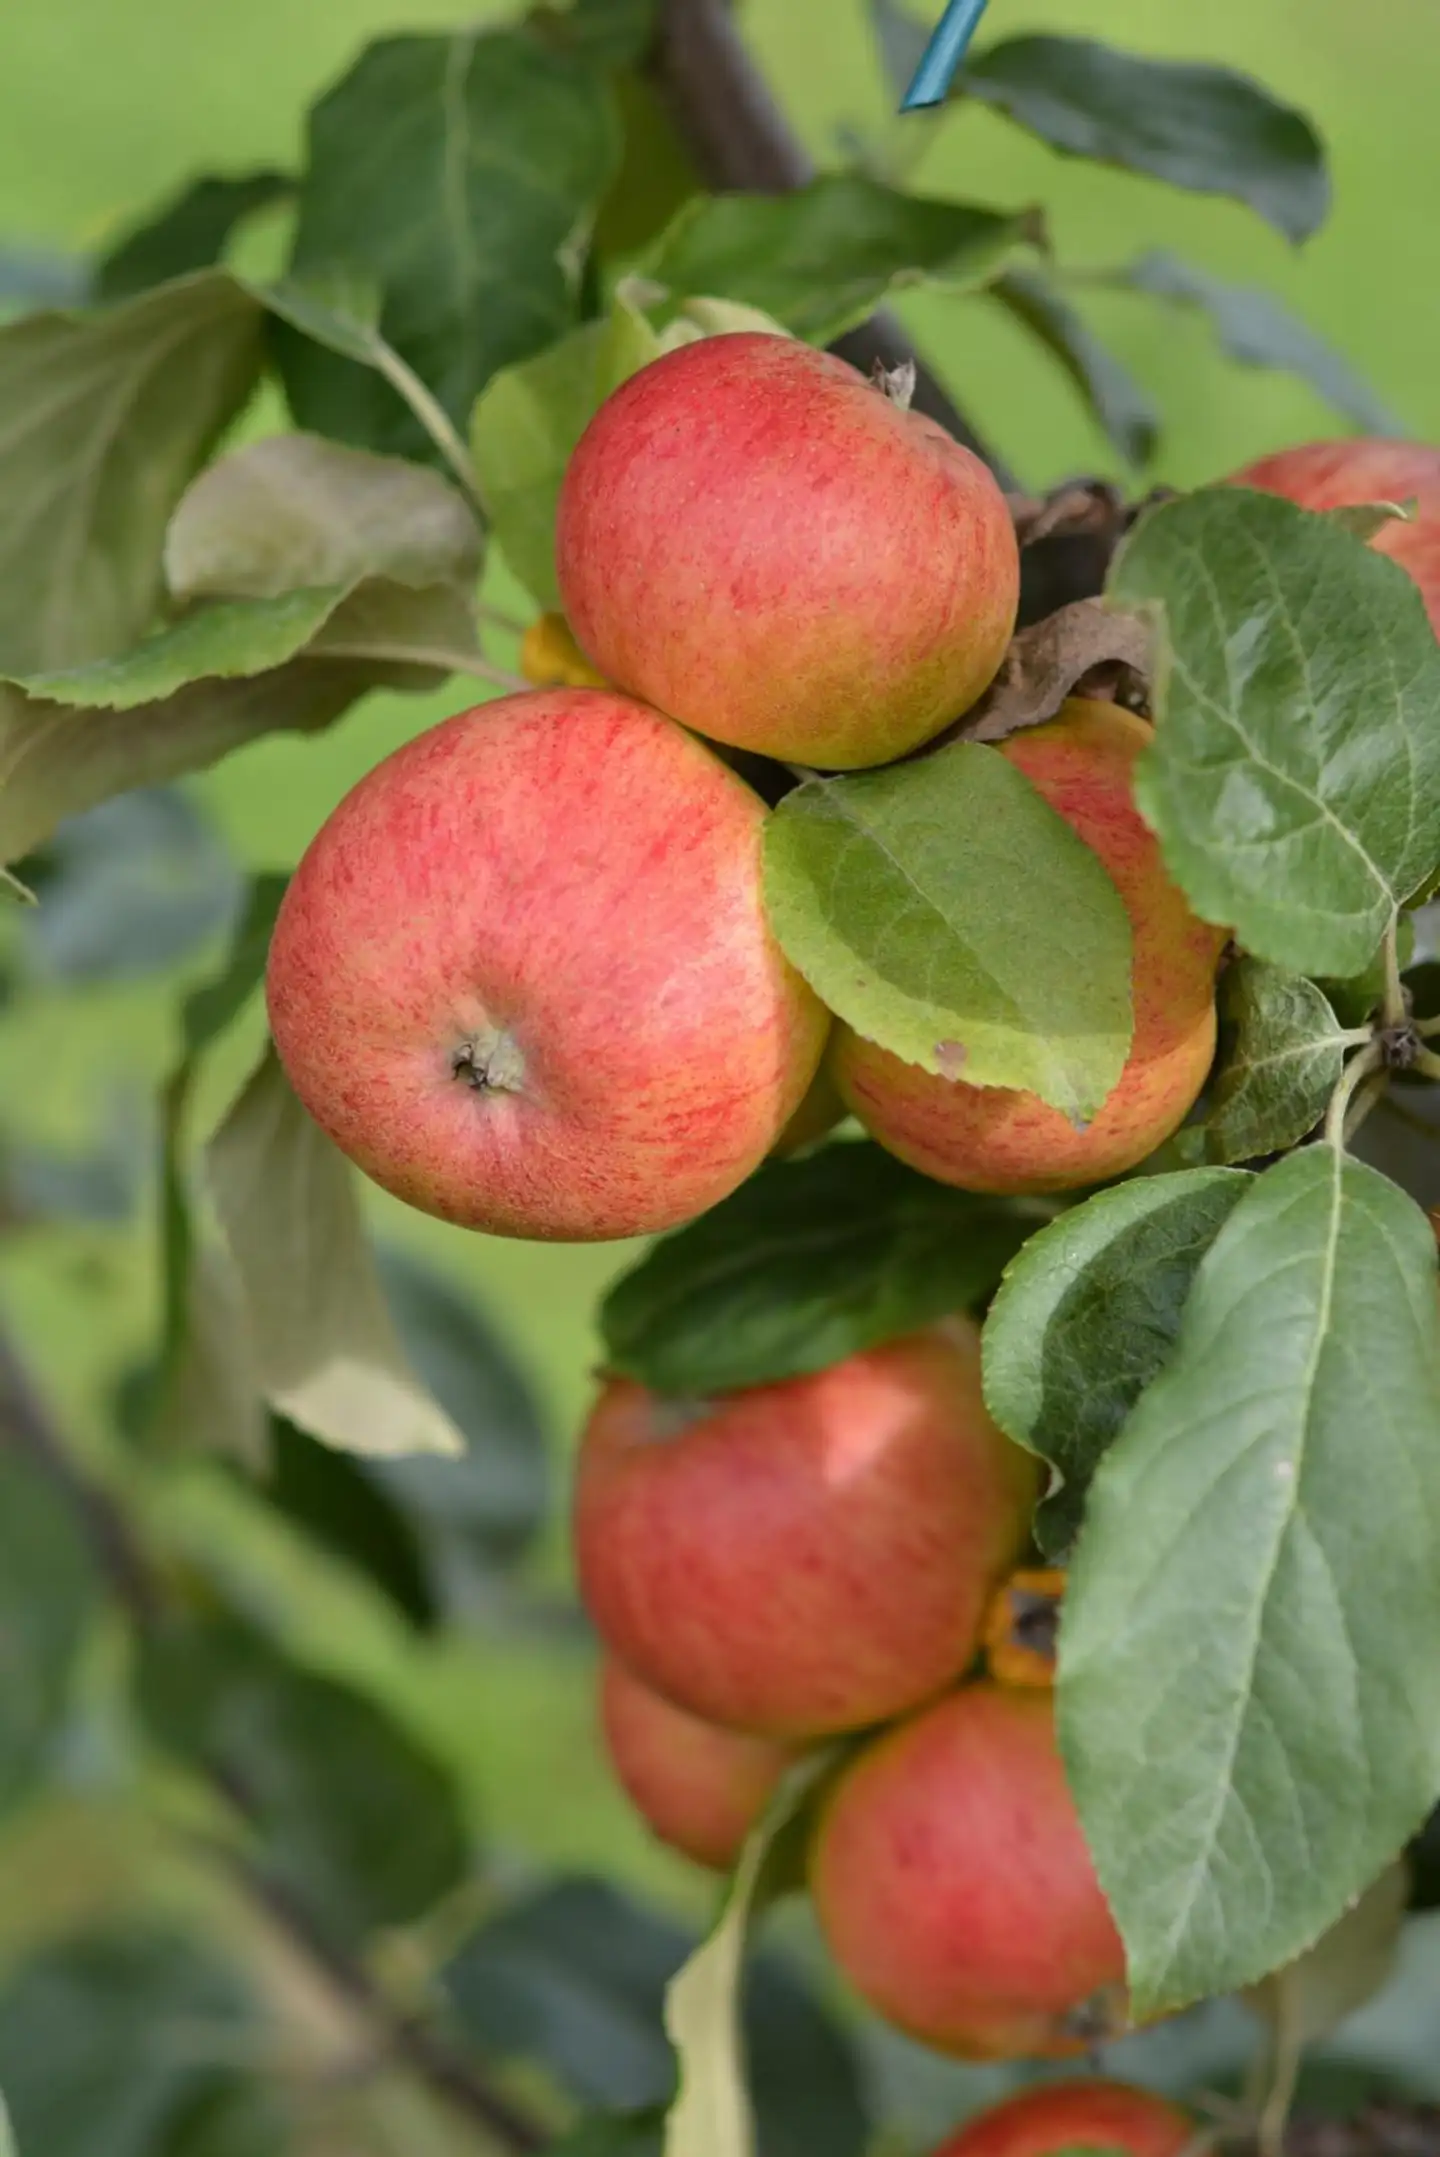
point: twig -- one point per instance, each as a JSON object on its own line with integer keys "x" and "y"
{"x": 740, "y": 139}
{"x": 1356, "y": 1072}
{"x": 1395, "y": 1009}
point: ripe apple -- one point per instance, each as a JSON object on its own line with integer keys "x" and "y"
{"x": 1094, "y": 2115}
{"x": 1331, "y": 475}
{"x": 952, "y": 1881}
{"x": 768, "y": 547}
{"x": 523, "y": 974}
{"x": 700, "y": 1788}
{"x": 806, "y": 1557}
{"x": 993, "y": 1138}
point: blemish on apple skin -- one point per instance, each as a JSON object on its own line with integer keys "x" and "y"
{"x": 952, "y": 1057}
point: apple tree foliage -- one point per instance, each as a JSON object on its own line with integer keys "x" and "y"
{"x": 1230, "y": 1360}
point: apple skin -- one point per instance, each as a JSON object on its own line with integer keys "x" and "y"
{"x": 760, "y": 542}
{"x": 699, "y": 1788}
{"x": 808, "y": 1557}
{"x": 1332, "y": 475}
{"x": 523, "y": 975}
{"x": 994, "y": 1138}
{"x": 1092, "y": 2114}
{"x": 954, "y": 1887}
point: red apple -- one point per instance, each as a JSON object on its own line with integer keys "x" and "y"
{"x": 523, "y": 974}
{"x": 1331, "y": 475}
{"x": 1092, "y": 2115}
{"x": 806, "y": 1557}
{"x": 953, "y": 1883}
{"x": 700, "y": 1788}
{"x": 998, "y": 1138}
{"x": 765, "y": 545}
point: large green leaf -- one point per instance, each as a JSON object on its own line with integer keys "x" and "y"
{"x": 48, "y": 1597}
{"x": 98, "y": 2048}
{"x": 897, "y": 894}
{"x": 1254, "y": 328}
{"x": 1195, "y": 126}
{"x": 103, "y": 420}
{"x": 823, "y": 257}
{"x": 325, "y": 1347}
{"x": 1087, "y": 1316}
{"x": 1111, "y": 392}
{"x": 1282, "y": 1051}
{"x": 808, "y": 1262}
{"x": 190, "y": 232}
{"x": 606, "y": 33}
{"x": 612, "y": 2134}
{"x": 349, "y": 1815}
{"x": 1249, "y": 1694}
{"x": 574, "y": 1977}
{"x": 462, "y": 172}
{"x": 1294, "y": 779}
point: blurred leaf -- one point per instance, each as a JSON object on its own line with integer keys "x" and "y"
{"x": 808, "y": 1262}
{"x": 191, "y": 232}
{"x": 574, "y": 1977}
{"x": 1199, "y": 127}
{"x": 527, "y": 423}
{"x": 901, "y": 41}
{"x": 295, "y": 510}
{"x": 331, "y": 1498}
{"x": 88, "y": 404}
{"x": 1255, "y": 329}
{"x": 326, "y": 1352}
{"x": 1109, "y": 390}
{"x": 1230, "y": 1824}
{"x": 1281, "y": 1059}
{"x": 108, "y": 2039}
{"x": 657, "y": 171}
{"x": 461, "y": 172}
{"x": 32, "y": 277}
{"x": 209, "y": 1009}
{"x": 1087, "y": 1316}
{"x": 615, "y": 2134}
{"x": 48, "y": 1598}
{"x": 7, "y": 2139}
{"x": 98, "y": 1184}
{"x": 352, "y": 1818}
{"x": 1422, "y": 1857}
{"x": 1314, "y": 1994}
{"x": 605, "y": 33}
{"x": 240, "y": 2120}
{"x": 825, "y": 256}
{"x": 894, "y": 892}
{"x": 133, "y": 886}
{"x": 1294, "y": 780}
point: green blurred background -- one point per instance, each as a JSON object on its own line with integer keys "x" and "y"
{"x": 107, "y": 104}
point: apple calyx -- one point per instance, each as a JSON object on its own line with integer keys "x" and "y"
{"x": 489, "y": 1062}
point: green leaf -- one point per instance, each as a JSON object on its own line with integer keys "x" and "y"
{"x": 294, "y": 510}
{"x": 573, "y": 1977}
{"x": 331, "y": 1498}
{"x": 807, "y": 1263}
{"x": 209, "y": 1009}
{"x": 1261, "y": 1538}
{"x": 1109, "y": 390}
{"x": 461, "y": 172}
{"x": 7, "y": 2138}
{"x": 1282, "y": 1055}
{"x": 616, "y": 2134}
{"x": 1294, "y": 781}
{"x": 227, "y": 639}
{"x": 901, "y": 42}
{"x": 48, "y": 1598}
{"x": 240, "y": 2119}
{"x": 88, "y": 404}
{"x": 1198, "y": 127}
{"x": 350, "y": 1816}
{"x": 528, "y": 422}
{"x": 1087, "y": 1316}
{"x": 896, "y": 894}
{"x": 326, "y": 1351}
{"x": 1255, "y": 329}
{"x": 35, "y": 277}
{"x": 131, "y": 888}
{"x": 1346, "y": 1967}
{"x": 712, "y": 2114}
{"x": 604, "y": 33}
{"x": 825, "y": 256}
{"x": 191, "y": 232}
{"x": 98, "y": 2043}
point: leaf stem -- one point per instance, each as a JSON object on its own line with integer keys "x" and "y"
{"x": 433, "y": 418}
{"x": 1395, "y": 1008}
{"x": 1355, "y": 1074}
{"x": 427, "y": 655}
{"x": 1427, "y": 1063}
{"x": 1427, "y": 1028}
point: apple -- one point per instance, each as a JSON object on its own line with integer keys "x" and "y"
{"x": 1093, "y": 2115}
{"x": 765, "y": 545}
{"x": 993, "y": 1138}
{"x": 1332, "y": 475}
{"x": 523, "y": 975}
{"x": 699, "y": 1788}
{"x": 954, "y": 1887}
{"x": 808, "y": 1557}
